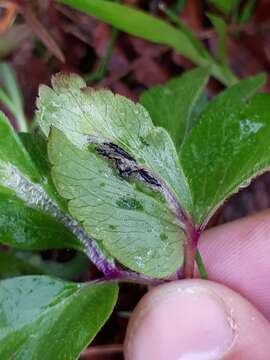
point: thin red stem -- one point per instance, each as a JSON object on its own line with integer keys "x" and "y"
{"x": 192, "y": 238}
{"x": 100, "y": 350}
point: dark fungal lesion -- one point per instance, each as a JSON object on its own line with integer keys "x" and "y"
{"x": 125, "y": 165}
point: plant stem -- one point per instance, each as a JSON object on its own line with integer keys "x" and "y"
{"x": 192, "y": 238}
{"x": 122, "y": 276}
{"x": 101, "y": 350}
{"x": 201, "y": 267}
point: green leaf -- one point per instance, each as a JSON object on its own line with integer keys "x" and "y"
{"x": 224, "y": 5}
{"x": 36, "y": 146}
{"x": 134, "y": 224}
{"x": 247, "y": 11}
{"x": 23, "y": 202}
{"x": 21, "y": 177}
{"x": 13, "y": 152}
{"x": 27, "y": 228}
{"x": 87, "y": 116}
{"x": 221, "y": 28}
{"x": 46, "y": 318}
{"x": 178, "y": 6}
{"x": 222, "y": 31}
{"x": 12, "y": 99}
{"x": 228, "y": 147}
{"x": 171, "y": 105}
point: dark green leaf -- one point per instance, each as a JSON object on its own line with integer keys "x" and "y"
{"x": 36, "y": 146}
{"x": 178, "y": 6}
{"x": 171, "y": 105}
{"x": 247, "y": 11}
{"x": 44, "y": 318}
{"x": 227, "y": 148}
{"x": 221, "y": 28}
{"x": 224, "y": 5}
{"x": 13, "y": 152}
{"x": 11, "y": 95}
{"x": 33, "y": 194}
{"x": 27, "y": 228}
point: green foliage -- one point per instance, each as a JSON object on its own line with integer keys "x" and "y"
{"x": 177, "y": 100}
{"x": 10, "y": 95}
{"x": 13, "y": 152}
{"x": 247, "y": 11}
{"x": 41, "y": 317}
{"x": 221, "y": 28}
{"x": 25, "y": 221}
{"x": 217, "y": 156}
{"x": 26, "y": 228}
{"x": 225, "y": 6}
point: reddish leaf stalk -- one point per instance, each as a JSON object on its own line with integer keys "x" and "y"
{"x": 191, "y": 244}
{"x": 122, "y": 276}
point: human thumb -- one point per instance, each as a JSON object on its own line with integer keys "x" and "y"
{"x": 196, "y": 320}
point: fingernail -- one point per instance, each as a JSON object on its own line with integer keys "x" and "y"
{"x": 181, "y": 324}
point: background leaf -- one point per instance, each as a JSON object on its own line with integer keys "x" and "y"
{"x": 12, "y": 150}
{"x": 23, "y": 223}
{"x": 227, "y": 148}
{"x": 27, "y": 228}
{"x": 133, "y": 224}
{"x": 224, "y": 5}
{"x": 11, "y": 95}
{"x": 36, "y": 146}
{"x": 35, "y": 196}
{"x": 221, "y": 28}
{"x": 247, "y": 11}
{"x": 45, "y": 318}
{"x": 171, "y": 105}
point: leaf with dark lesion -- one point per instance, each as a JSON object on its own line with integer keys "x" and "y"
{"x": 134, "y": 226}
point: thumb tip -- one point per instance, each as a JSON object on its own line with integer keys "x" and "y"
{"x": 181, "y": 320}
{"x": 192, "y": 320}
